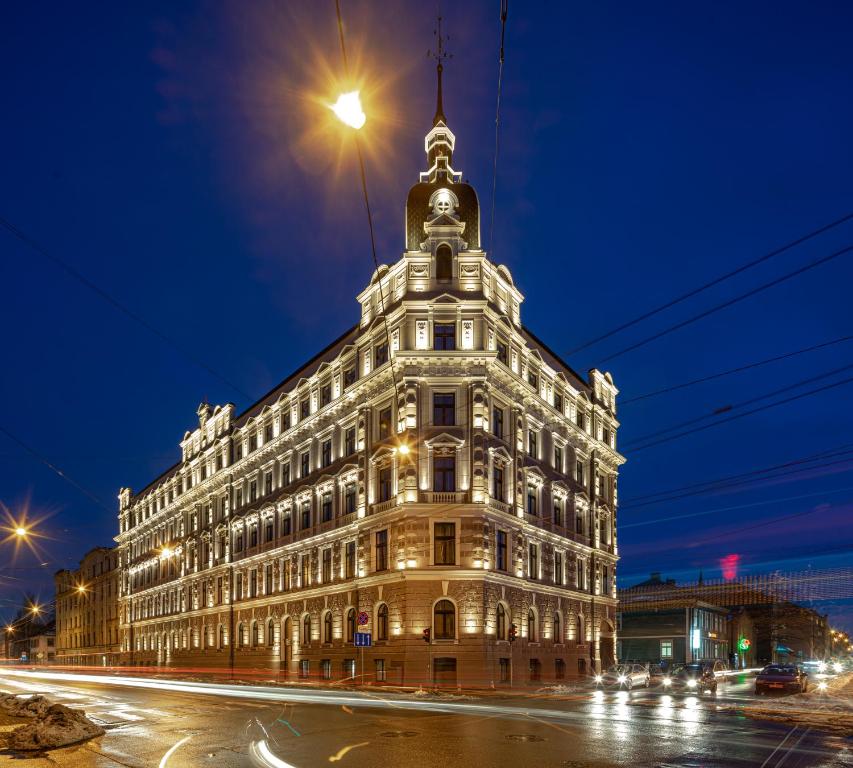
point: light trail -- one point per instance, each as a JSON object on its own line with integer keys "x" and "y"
{"x": 171, "y": 750}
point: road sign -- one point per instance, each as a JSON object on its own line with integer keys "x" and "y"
{"x": 362, "y": 639}
{"x": 363, "y": 618}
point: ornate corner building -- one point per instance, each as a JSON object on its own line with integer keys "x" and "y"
{"x": 436, "y": 477}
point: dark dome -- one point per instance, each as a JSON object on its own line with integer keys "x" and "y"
{"x": 418, "y": 210}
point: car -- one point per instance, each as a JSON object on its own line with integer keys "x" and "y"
{"x": 695, "y": 676}
{"x": 626, "y": 676}
{"x": 781, "y": 678}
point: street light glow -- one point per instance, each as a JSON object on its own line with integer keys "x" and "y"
{"x": 348, "y": 110}
{"x": 166, "y": 552}
{"x": 20, "y": 531}
{"x": 404, "y": 449}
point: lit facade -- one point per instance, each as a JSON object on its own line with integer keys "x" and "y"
{"x": 87, "y": 629}
{"x": 435, "y": 468}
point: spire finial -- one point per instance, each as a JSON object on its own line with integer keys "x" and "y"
{"x": 440, "y": 54}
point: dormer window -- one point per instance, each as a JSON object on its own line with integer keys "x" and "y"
{"x": 443, "y": 263}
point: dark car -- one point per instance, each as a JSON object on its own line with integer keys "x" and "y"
{"x": 781, "y": 678}
{"x": 695, "y": 677}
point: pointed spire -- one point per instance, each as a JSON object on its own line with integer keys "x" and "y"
{"x": 439, "y": 106}
{"x": 439, "y": 54}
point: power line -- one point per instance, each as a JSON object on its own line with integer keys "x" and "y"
{"x": 731, "y": 407}
{"x": 730, "y": 371}
{"x": 729, "y": 303}
{"x": 504, "y": 10}
{"x": 839, "y": 451}
{"x": 715, "y": 281}
{"x": 741, "y": 415}
{"x": 70, "y": 480}
{"x": 116, "y": 304}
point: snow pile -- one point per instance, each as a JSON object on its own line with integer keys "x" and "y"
{"x": 831, "y": 709}
{"x": 59, "y": 727}
{"x": 559, "y": 690}
{"x": 19, "y": 706}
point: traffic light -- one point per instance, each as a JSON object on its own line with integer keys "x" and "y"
{"x": 513, "y": 633}
{"x": 426, "y": 634}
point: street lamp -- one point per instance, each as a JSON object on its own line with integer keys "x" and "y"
{"x": 21, "y": 532}
{"x": 348, "y": 110}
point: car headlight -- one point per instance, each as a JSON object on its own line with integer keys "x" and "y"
{"x": 837, "y": 668}
{"x": 667, "y": 681}
{"x": 599, "y": 679}
{"x": 821, "y": 667}
{"x": 691, "y": 683}
{"x": 821, "y": 686}
{"x": 622, "y": 678}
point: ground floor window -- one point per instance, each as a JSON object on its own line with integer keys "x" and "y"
{"x": 304, "y": 668}
{"x": 379, "y": 665}
{"x": 326, "y": 669}
{"x": 581, "y": 666}
{"x": 504, "y": 670}
{"x": 535, "y": 670}
{"x": 560, "y": 669}
{"x": 666, "y": 649}
{"x": 349, "y": 668}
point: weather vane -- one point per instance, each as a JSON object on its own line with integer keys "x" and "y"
{"x": 440, "y": 53}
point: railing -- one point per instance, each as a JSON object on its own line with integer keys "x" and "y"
{"x": 346, "y": 519}
{"x": 445, "y": 497}
{"x": 501, "y": 506}
{"x": 384, "y": 506}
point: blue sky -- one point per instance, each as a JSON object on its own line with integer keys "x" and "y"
{"x": 180, "y": 157}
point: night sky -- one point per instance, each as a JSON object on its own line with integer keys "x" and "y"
{"x": 181, "y": 157}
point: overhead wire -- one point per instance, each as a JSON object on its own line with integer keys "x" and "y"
{"x": 730, "y": 371}
{"x": 504, "y": 11}
{"x": 116, "y": 304}
{"x": 716, "y": 281}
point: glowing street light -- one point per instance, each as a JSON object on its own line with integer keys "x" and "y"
{"x": 166, "y": 552}
{"x": 403, "y": 449}
{"x": 81, "y": 588}
{"x": 35, "y": 610}
{"x": 21, "y": 532}
{"x": 348, "y": 110}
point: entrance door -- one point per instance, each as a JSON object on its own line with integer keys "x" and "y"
{"x": 286, "y": 645}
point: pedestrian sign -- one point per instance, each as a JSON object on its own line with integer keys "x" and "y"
{"x": 363, "y": 618}
{"x": 362, "y": 639}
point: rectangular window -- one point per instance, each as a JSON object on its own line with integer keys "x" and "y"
{"x": 503, "y": 352}
{"x": 305, "y": 567}
{"x": 326, "y": 507}
{"x": 326, "y": 452}
{"x": 558, "y": 511}
{"x": 385, "y": 423}
{"x": 535, "y": 670}
{"x": 579, "y": 473}
{"x": 349, "y": 499}
{"x": 558, "y": 402}
{"x": 239, "y": 586}
{"x": 501, "y": 551}
{"x": 326, "y": 669}
{"x": 325, "y": 394}
{"x": 253, "y": 583}
{"x": 285, "y": 526}
{"x": 253, "y": 441}
{"x": 498, "y": 483}
{"x": 268, "y": 433}
{"x": 666, "y": 649}
{"x": 349, "y": 560}
{"x": 580, "y": 419}
{"x": 558, "y": 568}
{"x": 444, "y": 543}
{"x": 384, "y": 484}
{"x": 306, "y": 515}
{"x": 268, "y": 530}
{"x": 533, "y": 379}
{"x": 304, "y": 668}
{"x": 533, "y": 562}
{"x": 382, "y": 550}
{"x": 379, "y": 666}
{"x": 253, "y": 490}
{"x": 349, "y": 377}
{"x": 267, "y": 483}
{"x": 444, "y": 409}
{"x": 444, "y": 335}
{"x": 381, "y": 354}
{"x": 238, "y": 543}
{"x": 559, "y": 669}
{"x": 327, "y": 566}
{"x": 219, "y": 590}
{"x": 581, "y": 575}
{"x": 533, "y": 443}
{"x": 305, "y": 464}
{"x": 532, "y": 500}
{"x": 504, "y": 670}
{"x": 349, "y": 441}
{"x": 268, "y": 580}
{"x": 498, "y": 422}
{"x": 285, "y": 474}
{"x": 444, "y": 474}
{"x": 558, "y": 458}
{"x": 304, "y": 409}
{"x": 284, "y": 420}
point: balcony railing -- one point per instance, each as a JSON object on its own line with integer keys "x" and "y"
{"x": 384, "y": 506}
{"x": 445, "y": 497}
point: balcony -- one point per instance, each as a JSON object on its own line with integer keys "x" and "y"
{"x": 444, "y": 497}
{"x": 501, "y": 506}
{"x": 384, "y": 506}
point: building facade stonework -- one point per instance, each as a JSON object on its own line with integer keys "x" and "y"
{"x": 435, "y": 468}
{"x": 87, "y": 630}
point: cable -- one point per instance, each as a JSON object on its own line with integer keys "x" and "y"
{"x": 715, "y": 281}
{"x": 741, "y": 415}
{"x": 655, "y": 393}
{"x": 32, "y": 451}
{"x": 504, "y": 10}
{"x": 119, "y": 306}
{"x": 840, "y": 451}
{"x": 730, "y": 407}
{"x": 729, "y": 303}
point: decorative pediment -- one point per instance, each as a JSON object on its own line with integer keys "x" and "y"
{"x": 446, "y": 298}
{"x": 501, "y": 453}
{"x": 382, "y": 453}
{"x": 559, "y": 485}
{"x": 534, "y": 473}
{"x": 444, "y": 440}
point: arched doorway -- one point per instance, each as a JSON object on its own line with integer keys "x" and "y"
{"x": 286, "y": 646}
{"x": 607, "y": 647}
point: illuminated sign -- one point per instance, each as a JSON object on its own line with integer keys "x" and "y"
{"x": 696, "y": 639}
{"x": 744, "y": 643}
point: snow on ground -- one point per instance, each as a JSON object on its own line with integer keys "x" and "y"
{"x": 23, "y": 706}
{"x": 50, "y": 726}
{"x": 830, "y": 709}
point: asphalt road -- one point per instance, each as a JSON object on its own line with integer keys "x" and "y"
{"x": 173, "y": 725}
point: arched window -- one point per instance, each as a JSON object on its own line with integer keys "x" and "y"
{"x": 558, "y": 627}
{"x": 239, "y": 635}
{"x": 531, "y": 626}
{"x": 327, "y": 627}
{"x": 351, "y": 625}
{"x": 444, "y": 620}
{"x": 306, "y": 630}
{"x": 382, "y": 622}
{"x": 501, "y": 621}
{"x": 255, "y": 635}
{"x": 443, "y": 263}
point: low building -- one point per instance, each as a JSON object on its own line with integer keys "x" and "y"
{"x": 87, "y": 610}
{"x": 36, "y": 644}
